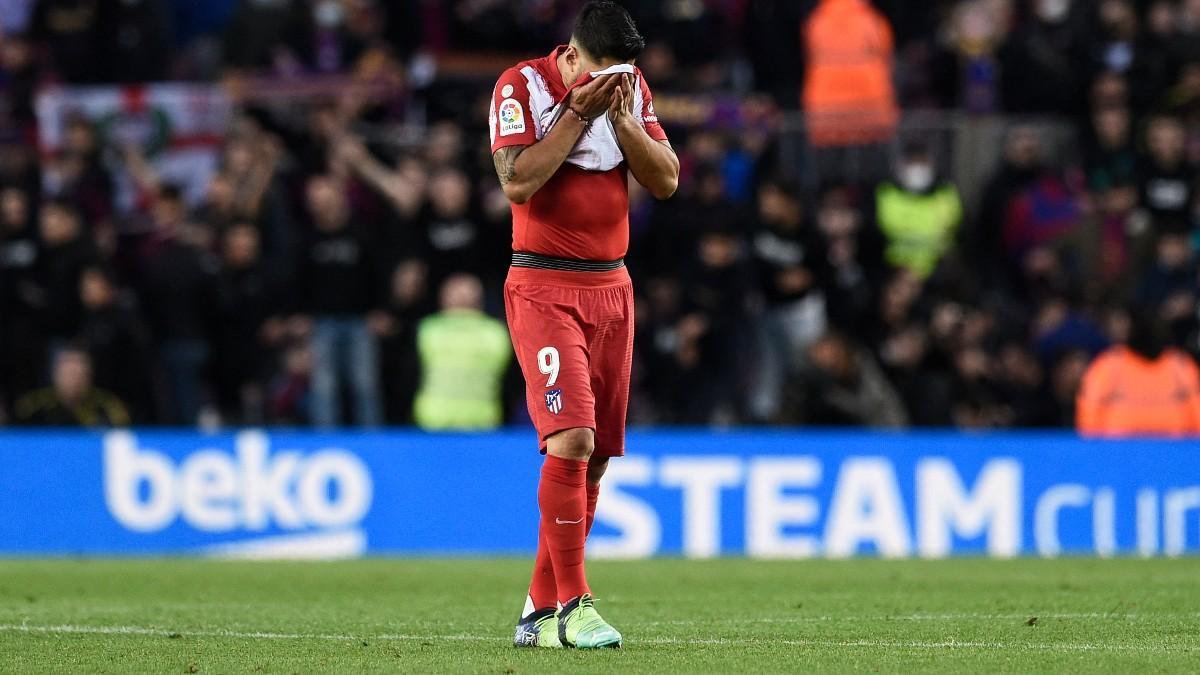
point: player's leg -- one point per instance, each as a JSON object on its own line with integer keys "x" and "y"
{"x": 550, "y": 349}
{"x": 610, "y": 346}
{"x": 562, "y": 498}
{"x": 559, "y": 569}
{"x": 612, "y": 363}
{"x": 543, "y": 592}
{"x": 596, "y": 468}
{"x": 611, "y": 349}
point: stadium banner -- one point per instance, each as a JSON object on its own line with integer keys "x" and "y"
{"x": 179, "y": 127}
{"x": 770, "y": 494}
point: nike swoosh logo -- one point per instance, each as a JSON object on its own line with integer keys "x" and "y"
{"x": 558, "y": 521}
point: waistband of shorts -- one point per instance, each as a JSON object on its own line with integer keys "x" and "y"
{"x": 541, "y": 261}
{"x": 551, "y": 277}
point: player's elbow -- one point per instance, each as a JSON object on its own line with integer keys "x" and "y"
{"x": 517, "y": 193}
{"x": 665, "y": 187}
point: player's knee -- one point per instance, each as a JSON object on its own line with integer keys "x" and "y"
{"x": 596, "y": 468}
{"x": 577, "y": 444}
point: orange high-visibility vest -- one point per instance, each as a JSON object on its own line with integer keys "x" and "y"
{"x": 1124, "y": 394}
{"x": 848, "y": 93}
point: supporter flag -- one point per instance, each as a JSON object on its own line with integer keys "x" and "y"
{"x": 179, "y": 127}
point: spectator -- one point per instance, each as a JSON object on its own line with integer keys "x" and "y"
{"x": 454, "y": 238}
{"x": 1022, "y": 162}
{"x": 250, "y": 162}
{"x": 1039, "y": 64}
{"x": 247, "y": 326}
{"x": 791, "y": 269}
{"x": 74, "y": 36}
{"x": 1110, "y": 156}
{"x": 1167, "y": 181}
{"x": 334, "y": 41}
{"x": 289, "y": 401}
{"x": 714, "y": 329}
{"x": 1183, "y": 99}
{"x": 117, "y": 342}
{"x": 772, "y": 45}
{"x": 18, "y": 78}
{"x": 408, "y": 303}
{"x": 1059, "y": 328}
{"x": 842, "y": 386}
{"x": 918, "y": 212}
{"x": 340, "y": 297}
{"x": 72, "y": 401}
{"x": 263, "y": 33}
{"x": 22, "y": 300}
{"x": 1020, "y": 383}
{"x": 137, "y": 44}
{"x": 178, "y": 283}
{"x": 79, "y": 176}
{"x": 67, "y": 250}
{"x": 1114, "y": 233}
{"x": 464, "y": 354}
{"x": 1037, "y": 220}
{"x": 220, "y": 208}
{"x": 923, "y": 384}
{"x": 403, "y": 186}
{"x": 1143, "y": 387}
{"x": 848, "y": 95}
{"x": 661, "y": 356}
{"x": 853, "y": 254}
{"x": 1169, "y": 285}
{"x": 705, "y": 206}
{"x": 1143, "y": 56}
{"x": 966, "y": 72}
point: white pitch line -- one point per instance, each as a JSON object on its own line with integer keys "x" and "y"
{"x": 396, "y": 637}
{"x": 826, "y": 618}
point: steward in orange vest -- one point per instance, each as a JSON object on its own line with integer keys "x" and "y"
{"x": 848, "y": 94}
{"x": 1141, "y": 389}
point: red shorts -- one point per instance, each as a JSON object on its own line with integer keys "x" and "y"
{"x": 573, "y": 336}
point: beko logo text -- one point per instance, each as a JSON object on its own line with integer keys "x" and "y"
{"x": 251, "y": 489}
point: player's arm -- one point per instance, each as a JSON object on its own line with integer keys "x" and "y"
{"x": 651, "y": 161}
{"x": 524, "y": 169}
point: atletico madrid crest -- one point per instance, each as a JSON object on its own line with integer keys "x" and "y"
{"x": 554, "y": 401}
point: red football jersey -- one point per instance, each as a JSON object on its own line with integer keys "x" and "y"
{"x": 582, "y": 212}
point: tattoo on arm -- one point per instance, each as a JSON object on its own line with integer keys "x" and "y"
{"x": 505, "y": 160}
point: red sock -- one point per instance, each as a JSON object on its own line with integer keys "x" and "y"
{"x": 542, "y": 590}
{"x": 593, "y": 494}
{"x": 563, "y": 501}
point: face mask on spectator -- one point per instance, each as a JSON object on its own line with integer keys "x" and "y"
{"x": 1053, "y": 11}
{"x": 916, "y": 177}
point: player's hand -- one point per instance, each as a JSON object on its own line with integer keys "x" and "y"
{"x": 593, "y": 98}
{"x": 620, "y": 106}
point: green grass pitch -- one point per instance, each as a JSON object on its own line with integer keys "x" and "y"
{"x": 721, "y": 616}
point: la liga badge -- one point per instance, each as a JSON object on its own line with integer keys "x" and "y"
{"x": 512, "y": 117}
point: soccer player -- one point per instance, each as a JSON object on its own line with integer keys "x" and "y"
{"x": 566, "y": 131}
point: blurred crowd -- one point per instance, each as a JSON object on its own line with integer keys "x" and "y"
{"x": 336, "y": 273}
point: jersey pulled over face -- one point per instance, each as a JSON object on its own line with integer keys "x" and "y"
{"x": 582, "y": 212}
